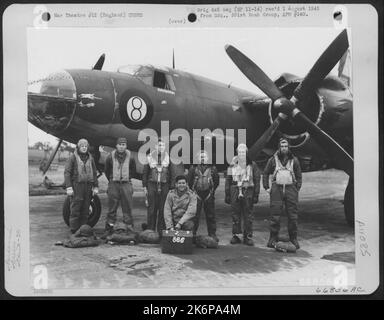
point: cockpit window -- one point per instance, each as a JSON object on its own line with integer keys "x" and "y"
{"x": 130, "y": 69}
{"x": 163, "y": 81}
{"x": 147, "y": 74}
{"x": 143, "y": 73}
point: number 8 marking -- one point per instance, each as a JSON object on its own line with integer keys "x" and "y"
{"x": 136, "y": 109}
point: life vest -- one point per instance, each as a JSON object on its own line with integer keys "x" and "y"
{"x": 120, "y": 171}
{"x": 84, "y": 170}
{"x": 284, "y": 175}
{"x": 203, "y": 181}
{"x": 159, "y": 169}
{"x": 242, "y": 176}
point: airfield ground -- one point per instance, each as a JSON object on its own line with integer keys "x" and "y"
{"x": 326, "y": 240}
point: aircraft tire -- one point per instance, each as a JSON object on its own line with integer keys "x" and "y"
{"x": 94, "y": 210}
{"x": 349, "y": 204}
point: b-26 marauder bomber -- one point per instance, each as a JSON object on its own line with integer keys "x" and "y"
{"x": 315, "y": 112}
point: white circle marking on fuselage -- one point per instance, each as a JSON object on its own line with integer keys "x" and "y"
{"x": 136, "y": 109}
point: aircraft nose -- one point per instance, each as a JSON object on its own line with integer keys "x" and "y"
{"x": 52, "y": 102}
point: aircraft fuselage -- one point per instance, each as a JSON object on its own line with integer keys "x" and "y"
{"x": 102, "y": 106}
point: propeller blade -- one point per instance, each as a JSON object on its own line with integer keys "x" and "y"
{"x": 311, "y": 82}
{"x": 323, "y": 65}
{"x": 319, "y": 71}
{"x": 259, "y": 145}
{"x": 254, "y": 73}
{"x": 99, "y": 63}
{"x": 341, "y": 157}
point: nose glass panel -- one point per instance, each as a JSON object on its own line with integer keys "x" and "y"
{"x": 52, "y": 101}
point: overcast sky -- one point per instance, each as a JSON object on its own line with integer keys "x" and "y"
{"x": 199, "y": 51}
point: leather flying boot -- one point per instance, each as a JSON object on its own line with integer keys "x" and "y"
{"x": 214, "y": 237}
{"x": 272, "y": 240}
{"x": 295, "y": 242}
{"x": 108, "y": 231}
{"x": 235, "y": 239}
{"x": 248, "y": 240}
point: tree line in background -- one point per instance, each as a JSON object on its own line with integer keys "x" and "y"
{"x": 65, "y": 146}
{"x": 44, "y": 150}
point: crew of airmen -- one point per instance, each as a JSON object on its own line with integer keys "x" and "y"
{"x": 175, "y": 196}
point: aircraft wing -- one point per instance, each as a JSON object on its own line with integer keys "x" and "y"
{"x": 255, "y": 102}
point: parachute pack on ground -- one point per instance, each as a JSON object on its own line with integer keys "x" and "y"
{"x": 84, "y": 237}
{"x": 149, "y": 236}
{"x": 123, "y": 235}
{"x": 285, "y": 247}
{"x": 206, "y": 242}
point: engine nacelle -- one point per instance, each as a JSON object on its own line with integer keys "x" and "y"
{"x": 297, "y": 135}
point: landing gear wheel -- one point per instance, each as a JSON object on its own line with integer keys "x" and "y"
{"x": 349, "y": 203}
{"x": 94, "y": 211}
